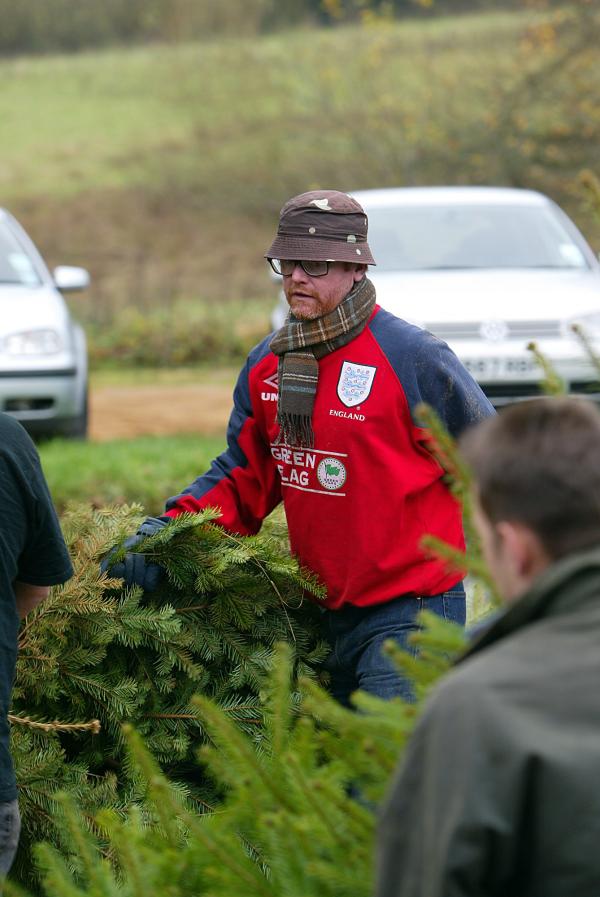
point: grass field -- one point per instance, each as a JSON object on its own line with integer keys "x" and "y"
{"x": 162, "y": 168}
{"x": 146, "y": 470}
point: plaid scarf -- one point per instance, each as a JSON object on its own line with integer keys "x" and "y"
{"x": 299, "y": 345}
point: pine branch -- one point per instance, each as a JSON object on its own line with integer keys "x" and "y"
{"x": 92, "y": 726}
{"x": 460, "y": 482}
{"x": 587, "y": 344}
{"x": 552, "y": 384}
{"x": 96, "y": 650}
{"x": 284, "y": 823}
{"x": 458, "y": 561}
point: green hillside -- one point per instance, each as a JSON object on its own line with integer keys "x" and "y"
{"x": 206, "y": 114}
{"x": 162, "y": 168}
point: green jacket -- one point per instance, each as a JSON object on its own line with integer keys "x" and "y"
{"x": 499, "y": 791}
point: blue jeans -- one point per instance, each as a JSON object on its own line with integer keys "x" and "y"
{"x": 356, "y": 636}
{"x": 10, "y": 828}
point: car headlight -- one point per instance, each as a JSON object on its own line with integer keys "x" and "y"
{"x": 33, "y": 342}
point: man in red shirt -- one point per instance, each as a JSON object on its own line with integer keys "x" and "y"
{"x": 324, "y": 421}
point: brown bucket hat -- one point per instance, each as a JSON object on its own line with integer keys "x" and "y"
{"x": 322, "y": 225}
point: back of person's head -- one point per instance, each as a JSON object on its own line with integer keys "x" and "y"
{"x": 538, "y": 463}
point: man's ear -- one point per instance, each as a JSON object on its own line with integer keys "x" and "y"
{"x": 522, "y": 548}
{"x": 359, "y": 272}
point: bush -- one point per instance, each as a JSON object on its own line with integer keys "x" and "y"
{"x": 184, "y": 334}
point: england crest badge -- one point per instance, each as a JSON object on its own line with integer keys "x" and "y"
{"x": 354, "y": 385}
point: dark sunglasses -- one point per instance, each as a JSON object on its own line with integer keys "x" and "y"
{"x": 286, "y": 267}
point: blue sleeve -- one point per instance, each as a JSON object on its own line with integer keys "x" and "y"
{"x": 430, "y": 372}
{"x": 242, "y": 480}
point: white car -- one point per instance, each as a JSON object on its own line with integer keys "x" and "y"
{"x": 489, "y": 270}
{"x": 43, "y": 353}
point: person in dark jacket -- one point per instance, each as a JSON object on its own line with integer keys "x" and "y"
{"x": 325, "y": 420}
{"x": 33, "y": 556}
{"x": 499, "y": 792}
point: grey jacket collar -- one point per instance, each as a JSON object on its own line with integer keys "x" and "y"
{"x": 561, "y": 588}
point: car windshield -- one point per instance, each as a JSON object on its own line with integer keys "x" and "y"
{"x": 15, "y": 265}
{"x": 438, "y": 237}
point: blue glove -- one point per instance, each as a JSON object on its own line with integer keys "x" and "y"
{"x": 134, "y": 569}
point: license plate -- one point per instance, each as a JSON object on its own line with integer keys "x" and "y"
{"x": 500, "y": 368}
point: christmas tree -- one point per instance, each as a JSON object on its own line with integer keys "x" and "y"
{"x": 287, "y": 824}
{"x": 96, "y": 656}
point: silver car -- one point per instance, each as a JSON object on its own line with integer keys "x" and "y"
{"x": 43, "y": 354}
{"x": 488, "y": 270}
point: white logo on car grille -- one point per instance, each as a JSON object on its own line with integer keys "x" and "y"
{"x": 494, "y": 331}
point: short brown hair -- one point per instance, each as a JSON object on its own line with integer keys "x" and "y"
{"x": 538, "y": 463}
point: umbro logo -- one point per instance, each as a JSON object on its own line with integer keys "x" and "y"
{"x": 272, "y": 383}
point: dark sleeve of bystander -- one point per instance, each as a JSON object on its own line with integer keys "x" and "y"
{"x": 32, "y": 547}
{"x": 33, "y": 556}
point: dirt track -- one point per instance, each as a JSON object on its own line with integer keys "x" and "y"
{"x": 129, "y": 411}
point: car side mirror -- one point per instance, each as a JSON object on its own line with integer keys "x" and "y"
{"x": 69, "y": 279}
